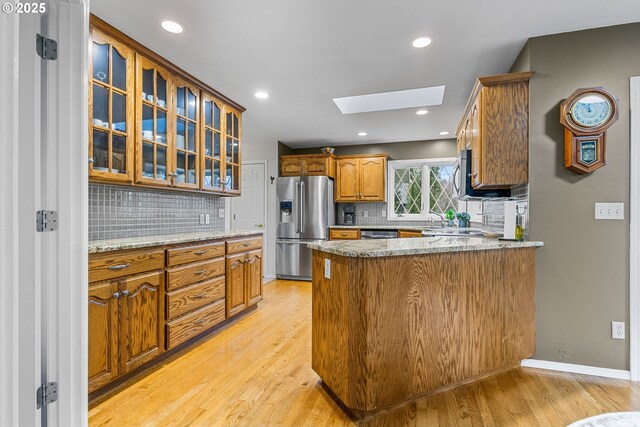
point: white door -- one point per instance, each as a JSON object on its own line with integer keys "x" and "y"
{"x": 248, "y": 210}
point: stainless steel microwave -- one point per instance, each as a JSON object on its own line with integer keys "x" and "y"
{"x": 462, "y": 180}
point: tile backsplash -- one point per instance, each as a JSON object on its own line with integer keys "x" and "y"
{"x": 119, "y": 211}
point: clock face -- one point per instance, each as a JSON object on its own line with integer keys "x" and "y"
{"x": 591, "y": 110}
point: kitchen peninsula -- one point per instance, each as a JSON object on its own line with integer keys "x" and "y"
{"x": 400, "y": 318}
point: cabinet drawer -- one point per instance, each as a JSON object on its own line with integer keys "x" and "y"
{"x": 124, "y": 263}
{"x": 192, "y": 324}
{"x": 243, "y": 245}
{"x": 192, "y": 297}
{"x": 409, "y": 233}
{"x": 176, "y": 256}
{"x": 196, "y": 272}
{"x": 344, "y": 234}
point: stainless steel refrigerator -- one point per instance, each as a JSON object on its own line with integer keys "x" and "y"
{"x": 305, "y": 212}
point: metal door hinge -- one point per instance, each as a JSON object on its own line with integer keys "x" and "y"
{"x": 46, "y": 48}
{"x": 46, "y": 221}
{"x": 47, "y": 393}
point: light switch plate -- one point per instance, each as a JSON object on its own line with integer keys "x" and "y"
{"x": 609, "y": 210}
{"x": 365, "y": 214}
{"x": 207, "y": 219}
{"x": 220, "y": 213}
{"x": 327, "y": 268}
{"x": 383, "y": 213}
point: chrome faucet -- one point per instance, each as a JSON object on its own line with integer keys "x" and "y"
{"x": 443, "y": 222}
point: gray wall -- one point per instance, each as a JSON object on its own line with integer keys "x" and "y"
{"x": 583, "y": 270}
{"x": 396, "y": 150}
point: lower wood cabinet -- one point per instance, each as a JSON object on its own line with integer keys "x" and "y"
{"x": 403, "y": 234}
{"x": 126, "y": 319}
{"x": 344, "y": 234}
{"x": 244, "y": 281}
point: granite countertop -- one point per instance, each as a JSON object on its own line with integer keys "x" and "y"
{"x": 108, "y": 245}
{"x": 426, "y": 245}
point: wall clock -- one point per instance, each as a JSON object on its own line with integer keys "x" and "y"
{"x": 586, "y": 115}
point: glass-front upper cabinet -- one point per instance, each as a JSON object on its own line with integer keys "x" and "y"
{"x": 154, "y": 125}
{"x": 212, "y": 121}
{"x": 111, "y": 109}
{"x": 232, "y": 150}
{"x": 186, "y": 153}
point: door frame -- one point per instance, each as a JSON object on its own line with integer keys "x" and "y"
{"x": 634, "y": 229}
{"x": 231, "y": 209}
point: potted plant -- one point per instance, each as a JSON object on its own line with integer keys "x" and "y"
{"x": 464, "y": 219}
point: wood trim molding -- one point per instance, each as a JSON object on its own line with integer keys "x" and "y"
{"x": 576, "y": 369}
{"x": 103, "y": 26}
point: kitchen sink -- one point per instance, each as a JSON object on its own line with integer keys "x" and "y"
{"x": 452, "y": 232}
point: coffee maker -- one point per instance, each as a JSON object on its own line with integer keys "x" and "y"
{"x": 349, "y": 212}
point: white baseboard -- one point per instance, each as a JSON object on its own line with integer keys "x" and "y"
{"x": 266, "y": 279}
{"x": 577, "y": 369}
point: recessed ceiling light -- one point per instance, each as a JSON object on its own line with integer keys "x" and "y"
{"x": 362, "y": 134}
{"x": 422, "y": 112}
{"x": 261, "y": 95}
{"x": 172, "y": 26}
{"x": 443, "y": 133}
{"x": 421, "y": 42}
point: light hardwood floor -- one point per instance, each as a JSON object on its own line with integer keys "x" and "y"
{"x": 258, "y": 373}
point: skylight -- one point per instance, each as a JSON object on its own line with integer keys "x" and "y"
{"x": 422, "y": 97}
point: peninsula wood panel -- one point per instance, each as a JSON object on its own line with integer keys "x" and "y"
{"x": 413, "y": 324}
{"x": 124, "y": 263}
{"x": 195, "y": 296}
{"x": 103, "y": 334}
{"x": 178, "y": 277}
{"x": 191, "y": 253}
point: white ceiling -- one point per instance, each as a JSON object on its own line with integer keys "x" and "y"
{"x": 306, "y": 52}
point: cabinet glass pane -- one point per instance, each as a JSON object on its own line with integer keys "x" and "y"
{"x": 118, "y": 154}
{"x": 180, "y": 167}
{"x": 216, "y": 116}
{"x": 228, "y": 180}
{"x": 216, "y": 145}
{"x": 147, "y": 122}
{"x": 162, "y": 90}
{"x": 101, "y": 62}
{"x": 229, "y": 124}
{"x": 100, "y": 106}
{"x": 161, "y": 159}
{"x": 191, "y": 136}
{"x": 207, "y": 172}
{"x": 207, "y": 142}
{"x": 208, "y": 113}
{"x": 236, "y": 128}
{"x": 147, "y": 160}
{"x": 191, "y": 169}
{"x": 147, "y": 85}
{"x": 161, "y": 126}
{"x": 180, "y": 108}
{"x": 234, "y": 158}
{"x": 119, "y": 65}
{"x": 191, "y": 105}
{"x": 100, "y": 151}
{"x": 229, "y": 149}
{"x": 216, "y": 173}
{"x": 180, "y": 133}
{"x": 118, "y": 112}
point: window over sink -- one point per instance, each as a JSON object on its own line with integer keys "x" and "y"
{"x": 420, "y": 189}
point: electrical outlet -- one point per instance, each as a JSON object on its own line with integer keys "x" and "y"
{"x": 617, "y": 330}
{"x": 365, "y": 214}
{"x": 201, "y": 219}
{"x": 207, "y": 219}
{"x": 609, "y": 210}
{"x": 327, "y": 268}
{"x": 383, "y": 213}
{"x": 220, "y": 213}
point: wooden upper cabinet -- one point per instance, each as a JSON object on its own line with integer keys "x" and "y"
{"x": 496, "y": 128}
{"x": 111, "y": 109}
{"x": 141, "y": 319}
{"x": 154, "y": 131}
{"x": 103, "y": 334}
{"x": 308, "y": 164}
{"x": 186, "y": 135}
{"x": 211, "y": 137}
{"x": 232, "y": 157}
{"x": 361, "y": 178}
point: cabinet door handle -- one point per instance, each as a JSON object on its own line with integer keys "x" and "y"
{"x": 199, "y": 322}
{"x": 202, "y": 252}
{"x": 118, "y": 267}
{"x": 246, "y": 244}
{"x": 116, "y": 295}
{"x": 199, "y": 272}
{"x": 199, "y": 296}
{"x": 125, "y": 293}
